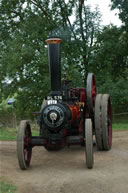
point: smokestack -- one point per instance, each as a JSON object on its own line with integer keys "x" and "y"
{"x": 54, "y": 64}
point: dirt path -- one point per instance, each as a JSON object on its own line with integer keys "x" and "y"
{"x": 65, "y": 171}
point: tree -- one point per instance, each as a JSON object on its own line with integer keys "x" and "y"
{"x": 23, "y": 55}
{"x": 123, "y": 15}
{"x": 122, "y": 54}
{"x": 23, "y": 68}
{"x": 122, "y": 5}
{"x": 110, "y": 57}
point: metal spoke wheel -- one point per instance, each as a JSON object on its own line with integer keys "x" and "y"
{"x": 24, "y": 148}
{"x": 106, "y": 121}
{"x": 98, "y": 125}
{"x": 89, "y": 144}
{"x": 91, "y": 93}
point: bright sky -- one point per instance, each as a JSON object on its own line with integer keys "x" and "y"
{"x": 108, "y": 16}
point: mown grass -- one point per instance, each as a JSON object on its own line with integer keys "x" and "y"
{"x": 120, "y": 124}
{"x": 11, "y": 133}
{"x": 7, "y": 134}
{"x": 7, "y": 187}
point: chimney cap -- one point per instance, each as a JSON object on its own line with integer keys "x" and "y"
{"x": 53, "y": 40}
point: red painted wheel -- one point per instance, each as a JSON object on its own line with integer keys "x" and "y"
{"x": 89, "y": 144}
{"x": 24, "y": 148}
{"x": 91, "y": 93}
{"x": 98, "y": 125}
{"x": 106, "y": 121}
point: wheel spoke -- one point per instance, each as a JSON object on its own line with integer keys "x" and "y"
{"x": 25, "y": 155}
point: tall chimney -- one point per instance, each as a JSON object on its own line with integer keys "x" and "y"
{"x": 54, "y": 65}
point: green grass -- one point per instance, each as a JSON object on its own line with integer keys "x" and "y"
{"x": 10, "y": 133}
{"x": 120, "y": 125}
{"x": 35, "y": 133}
{"x": 7, "y": 188}
{"x": 7, "y": 134}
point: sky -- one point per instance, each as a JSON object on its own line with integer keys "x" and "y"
{"x": 108, "y": 16}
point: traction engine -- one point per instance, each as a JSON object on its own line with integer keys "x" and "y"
{"x": 68, "y": 116}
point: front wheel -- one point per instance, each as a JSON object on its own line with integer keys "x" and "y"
{"x": 24, "y": 148}
{"x": 89, "y": 144}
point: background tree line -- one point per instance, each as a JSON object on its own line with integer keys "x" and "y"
{"x": 87, "y": 47}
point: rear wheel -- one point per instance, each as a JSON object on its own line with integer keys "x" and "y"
{"x": 91, "y": 93}
{"x": 24, "y": 148}
{"x": 89, "y": 144}
{"x": 106, "y": 122}
{"x": 98, "y": 125}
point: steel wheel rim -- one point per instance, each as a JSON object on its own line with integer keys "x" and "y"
{"x": 109, "y": 112}
{"x": 89, "y": 144}
{"x": 106, "y": 117}
{"x": 98, "y": 126}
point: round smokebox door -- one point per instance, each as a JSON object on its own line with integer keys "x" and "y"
{"x": 53, "y": 116}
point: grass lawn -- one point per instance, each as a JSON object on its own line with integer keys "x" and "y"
{"x": 120, "y": 125}
{"x": 10, "y": 133}
{"x": 6, "y": 187}
{"x": 7, "y": 134}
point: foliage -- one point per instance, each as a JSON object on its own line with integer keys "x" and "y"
{"x": 23, "y": 58}
{"x": 118, "y": 91}
{"x": 121, "y": 53}
{"x": 24, "y": 68}
{"x": 122, "y": 5}
{"x": 6, "y": 112}
{"x": 87, "y": 47}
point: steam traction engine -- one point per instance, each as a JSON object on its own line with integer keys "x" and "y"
{"x": 68, "y": 116}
